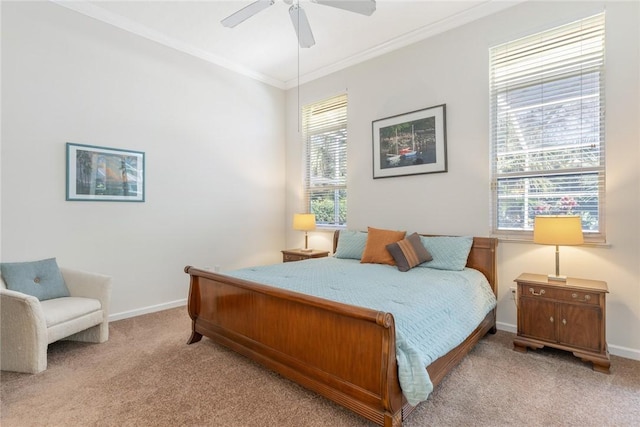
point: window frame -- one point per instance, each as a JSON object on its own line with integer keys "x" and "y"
{"x": 327, "y": 120}
{"x": 511, "y": 70}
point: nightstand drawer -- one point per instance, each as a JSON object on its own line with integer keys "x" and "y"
{"x": 289, "y": 255}
{"x": 571, "y": 295}
{"x": 292, "y": 257}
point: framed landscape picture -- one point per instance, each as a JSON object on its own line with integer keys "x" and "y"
{"x": 104, "y": 174}
{"x": 411, "y": 143}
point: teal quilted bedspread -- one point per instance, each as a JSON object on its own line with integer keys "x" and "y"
{"x": 434, "y": 310}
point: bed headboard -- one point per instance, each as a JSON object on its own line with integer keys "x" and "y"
{"x": 482, "y": 257}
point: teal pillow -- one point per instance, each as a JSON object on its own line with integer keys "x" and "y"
{"x": 351, "y": 244}
{"x": 448, "y": 252}
{"x": 42, "y": 279}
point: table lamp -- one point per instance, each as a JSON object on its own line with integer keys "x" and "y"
{"x": 304, "y": 222}
{"x": 557, "y": 230}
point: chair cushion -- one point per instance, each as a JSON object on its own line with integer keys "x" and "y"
{"x": 60, "y": 310}
{"x": 42, "y": 279}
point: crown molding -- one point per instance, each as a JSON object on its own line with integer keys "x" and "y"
{"x": 126, "y": 24}
{"x": 484, "y": 9}
{"x": 480, "y": 11}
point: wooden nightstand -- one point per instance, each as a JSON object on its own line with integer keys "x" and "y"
{"x": 565, "y": 315}
{"x": 289, "y": 255}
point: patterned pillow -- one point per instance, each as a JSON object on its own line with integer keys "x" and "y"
{"x": 375, "y": 251}
{"x": 409, "y": 252}
{"x": 41, "y": 279}
{"x": 448, "y": 252}
{"x": 351, "y": 244}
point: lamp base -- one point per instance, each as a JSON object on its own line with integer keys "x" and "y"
{"x": 305, "y": 250}
{"x": 554, "y": 278}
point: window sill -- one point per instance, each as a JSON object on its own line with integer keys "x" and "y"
{"x": 513, "y": 239}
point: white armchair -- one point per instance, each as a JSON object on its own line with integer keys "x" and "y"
{"x": 28, "y": 326}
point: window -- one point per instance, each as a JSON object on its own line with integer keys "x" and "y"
{"x": 547, "y": 128}
{"x": 324, "y": 132}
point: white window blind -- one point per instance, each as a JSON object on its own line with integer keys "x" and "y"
{"x": 324, "y": 133}
{"x": 547, "y": 128}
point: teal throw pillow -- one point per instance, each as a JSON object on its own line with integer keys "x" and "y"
{"x": 448, "y": 252}
{"x": 42, "y": 279}
{"x": 351, "y": 244}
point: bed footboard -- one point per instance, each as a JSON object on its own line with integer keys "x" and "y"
{"x": 342, "y": 352}
{"x": 328, "y": 347}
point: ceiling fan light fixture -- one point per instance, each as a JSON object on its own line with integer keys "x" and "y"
{"x": 301, "y": 25}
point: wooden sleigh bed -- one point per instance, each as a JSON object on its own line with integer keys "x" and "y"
{"x": 288, "y": 332}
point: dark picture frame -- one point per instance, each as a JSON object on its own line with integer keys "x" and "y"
{"x": 104, "y": 174}
{"x": 411, "y": 143}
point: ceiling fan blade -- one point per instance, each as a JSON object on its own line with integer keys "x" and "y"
{"x": 301, "y": 25}
{"x": 246, "y": 13}
{"x": 363, "y": 7}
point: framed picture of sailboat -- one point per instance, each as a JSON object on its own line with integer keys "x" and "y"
{"x": 410, "y": 144}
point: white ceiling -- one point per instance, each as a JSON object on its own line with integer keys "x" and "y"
{"x": 264, "y": 47}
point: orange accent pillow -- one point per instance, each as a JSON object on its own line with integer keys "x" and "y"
{"x": 375, "y": 250}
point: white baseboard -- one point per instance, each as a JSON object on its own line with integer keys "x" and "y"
{"x": 616, "y": 350}
{"x": 628, "y": 353}
{"x": 147, "y": 310}
{"x": 508, "y": 327}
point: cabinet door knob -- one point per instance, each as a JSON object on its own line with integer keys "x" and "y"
{"x": 551, "y": 319}
{"x": 533, "y": 292}
{"x": 564, "y": 321}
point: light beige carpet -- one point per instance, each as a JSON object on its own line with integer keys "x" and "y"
{"x": 146, "y": 375}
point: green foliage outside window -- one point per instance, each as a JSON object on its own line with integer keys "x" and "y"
{"x": 324, "y": 209}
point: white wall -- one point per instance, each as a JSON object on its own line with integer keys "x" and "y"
{"x": 68, "y": 78}
{"x": 452, "y": 69}
{"x": 214, "y": 144}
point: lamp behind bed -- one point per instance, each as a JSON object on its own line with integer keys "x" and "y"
{"x": 304, "y": 222}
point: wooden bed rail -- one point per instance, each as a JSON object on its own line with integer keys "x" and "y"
{"x": 273, "y": 327}
{"x": 382, "y": 318}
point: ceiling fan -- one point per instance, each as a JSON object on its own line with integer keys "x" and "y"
{"x": 298, "y": 16}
